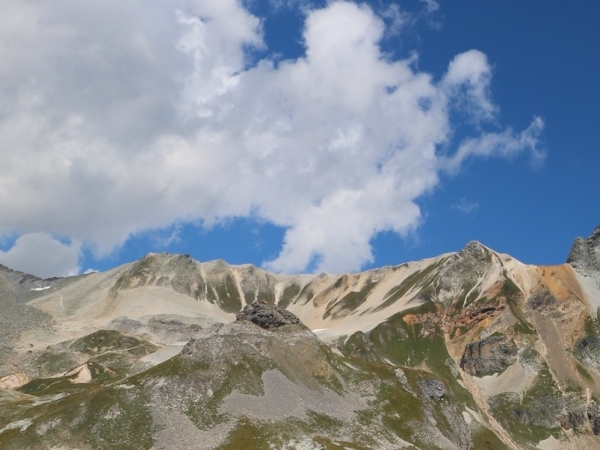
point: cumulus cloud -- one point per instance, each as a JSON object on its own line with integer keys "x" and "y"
{"x": 42, "y": 255}
{"x": 506, "y": 144}
{"x": 120, "y": 117}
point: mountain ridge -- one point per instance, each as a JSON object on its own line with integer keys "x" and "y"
{"x": 470, "y": 349}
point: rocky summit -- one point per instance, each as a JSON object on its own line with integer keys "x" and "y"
{"x": 467, "y": 350}
{"x": 266, "y": 315}
{"x": 585, "y": 253}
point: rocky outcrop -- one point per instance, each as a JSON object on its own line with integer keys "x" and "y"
{"x": 267, "y": 315}
{"x": 432, "y": 388}
{"x": 489, "y": 355}
{"x": 465, "y": 267}
{"x": 585, "y": 254}
{"x": 593, "y": 414}
{"x": 575, "y": 412}
{"x": 587, "y": 350}
{"x": 543, "y": 301}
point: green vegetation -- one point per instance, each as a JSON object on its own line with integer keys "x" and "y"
{"x": 535, "y": 418}
{"x": 91, "y": 417}
{"x": 52, "y": 363}
{"x": 350, "y": 301}
{"x": 584, "y": 373}
{"x": 290, "y": 292}
{"x": 410, "y": 338}
{"x": 226, "y": 295}
{"x": 109, "y": 340}
{"x": 484, "y": 439}
{"x": 412, "y": 281}
{"x": 513, "y": 295}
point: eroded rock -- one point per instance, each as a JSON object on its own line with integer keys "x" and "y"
{"x": 587, "y": 350}
{"x": 585, "y": 254}
{"x": 543, "y": 301}
{"x": 593, "y": 414}
{"x": 489, "y": 355}
{"x": 266, "y": 315}
{"x": 432, "y": 388}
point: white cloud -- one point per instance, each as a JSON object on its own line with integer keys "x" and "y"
{"x": 42, "y": 255}
{"x": 431, "y": 5}
{"x": 397, "y": 18}
{"x": 467, "y": 85}
{"x": 506, "y": 144}
{"x": 121, "y": 117}
{"x": 465, "y": 206}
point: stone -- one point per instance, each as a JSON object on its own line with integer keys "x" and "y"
{"x": 266, "y": 315}
{"x": 489, "y": 355}
{"x": 587, "y": 350}
{"x": 432, "y": 388}
{"x": 543, "y": 301}
{"x": 585, "y": 254}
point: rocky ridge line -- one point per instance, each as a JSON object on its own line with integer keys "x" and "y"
{"x": 585, "y": 254}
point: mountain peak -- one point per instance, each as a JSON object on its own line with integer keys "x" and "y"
{"x": 476, "y": 250}
{"x": 585, "y": 253}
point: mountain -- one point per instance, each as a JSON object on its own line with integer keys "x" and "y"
{"x": 468, "y": 350}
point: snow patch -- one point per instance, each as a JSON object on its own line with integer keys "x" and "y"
{"x": 41, "y": 288}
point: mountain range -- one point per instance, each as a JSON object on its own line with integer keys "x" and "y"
{"x": 467, "y": 350}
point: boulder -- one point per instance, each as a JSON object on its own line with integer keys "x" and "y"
{"x": 489, "y": 355}
{"x": 266, "y": 315}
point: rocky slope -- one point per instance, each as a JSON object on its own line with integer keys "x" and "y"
{"x": 467, "y": 350}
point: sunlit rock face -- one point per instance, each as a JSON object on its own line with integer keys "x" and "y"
{"x": 585, "y": 254}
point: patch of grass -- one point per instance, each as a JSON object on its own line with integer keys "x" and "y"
{"x": 53, "y": 386}
{"x": 409, "y": 283}
{"x": 322, "y": 423}
{"x": 290, "y": 292}
{"x": 92, "y": 418}
{"x": 588, "y": 326}
{"x": 53, "y": 363}
{"x": 513, "y": 294}
{"x": 484, "y": 439}
{"x": 533, "y": 419}
{"x": 226, "y": 295}
{"x": 328, "y": 444}
{"x": 247, "y": 436}
{"x": 400, "y": 341}
{"x": 110, "y": 340}
{"x": 505, "y": 408}
{"x": 584, "y": 373}
{"x": 350, "y": 301}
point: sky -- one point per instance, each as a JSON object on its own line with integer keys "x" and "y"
{"x": 299, "y": 136}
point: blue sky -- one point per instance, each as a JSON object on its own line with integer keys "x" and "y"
{"x": 297, "y": 136}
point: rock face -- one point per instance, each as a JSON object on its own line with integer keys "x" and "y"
{"x": 266, "y": 315}
{"x": 434, "y": 389}
{"x": 587, "y": 350}
{"x": 585, "y": 254}
{"x": 543, "y": 301}
{"x": 490, "y": 355}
